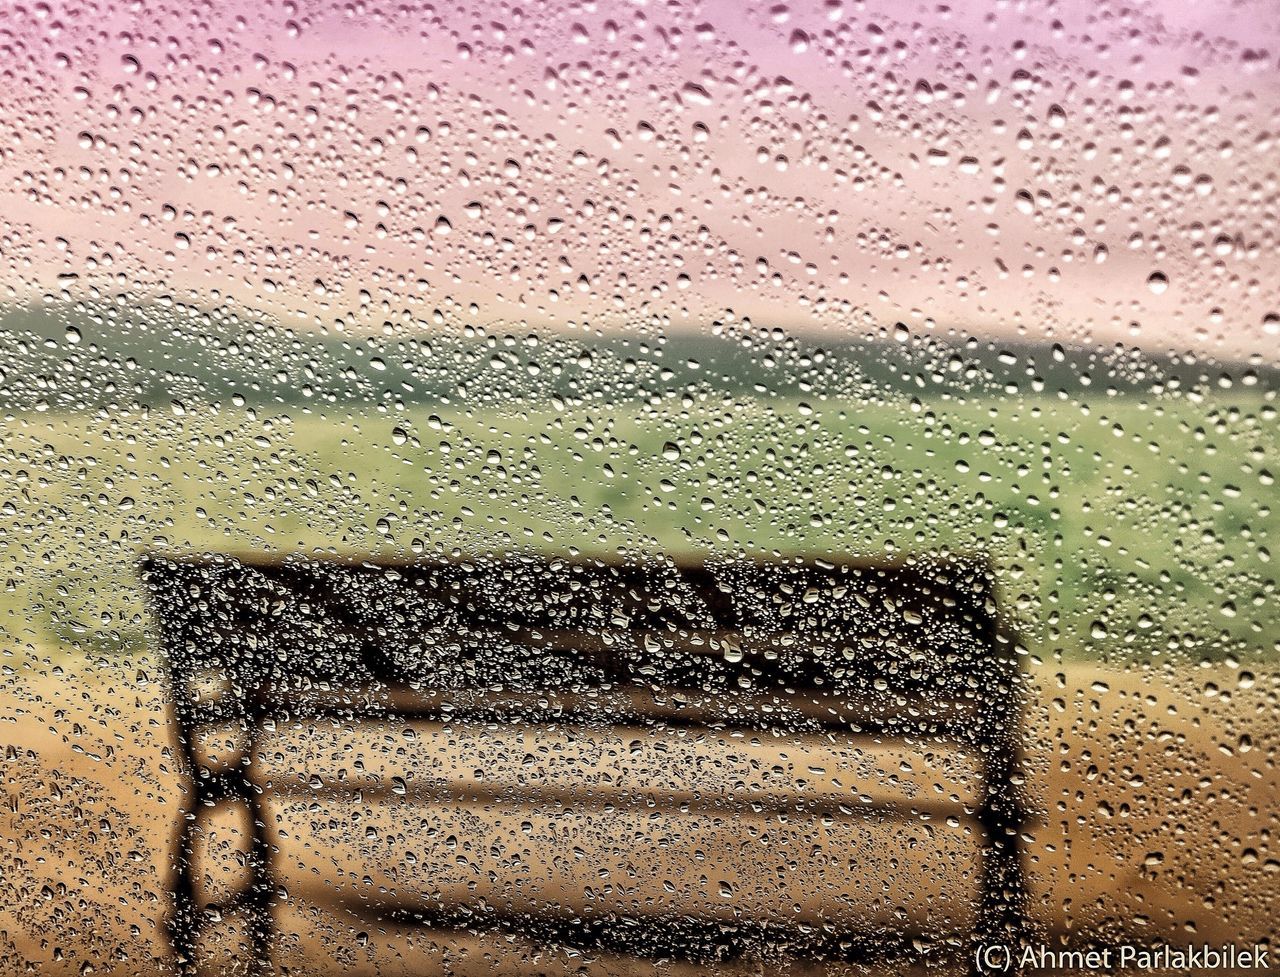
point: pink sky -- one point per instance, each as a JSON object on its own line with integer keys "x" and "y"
{"x": 996, "y": 168}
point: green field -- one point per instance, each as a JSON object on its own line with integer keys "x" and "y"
{"x": 1122, "y": 527}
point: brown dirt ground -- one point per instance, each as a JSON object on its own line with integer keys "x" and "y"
{"x": 1156, "y": 792}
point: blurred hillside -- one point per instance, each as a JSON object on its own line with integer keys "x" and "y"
{"x": 74, "y": 357}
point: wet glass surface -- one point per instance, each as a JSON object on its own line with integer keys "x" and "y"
{"x": 610, "y": 487}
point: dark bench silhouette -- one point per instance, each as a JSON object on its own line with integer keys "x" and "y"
{"x": 690, "y": 661}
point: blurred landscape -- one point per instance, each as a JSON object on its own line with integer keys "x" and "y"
{"x": 1126, "y": 500}
{"x": 876, "y": 279}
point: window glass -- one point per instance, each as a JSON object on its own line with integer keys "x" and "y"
{"x": 624, "y": 487}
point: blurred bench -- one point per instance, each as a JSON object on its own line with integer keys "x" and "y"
{"x": 700, "y": 762}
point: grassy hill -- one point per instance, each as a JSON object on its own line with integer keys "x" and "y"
{"x": 1128, "y": 501}
{"x": 65, "y": 357}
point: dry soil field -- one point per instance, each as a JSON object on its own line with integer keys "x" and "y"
{"x": 1157, "y": 800}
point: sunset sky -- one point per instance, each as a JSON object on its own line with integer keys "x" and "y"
{"x": 1092, "y": 172}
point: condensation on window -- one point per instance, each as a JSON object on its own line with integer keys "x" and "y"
{"x": 630, "y": 487}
